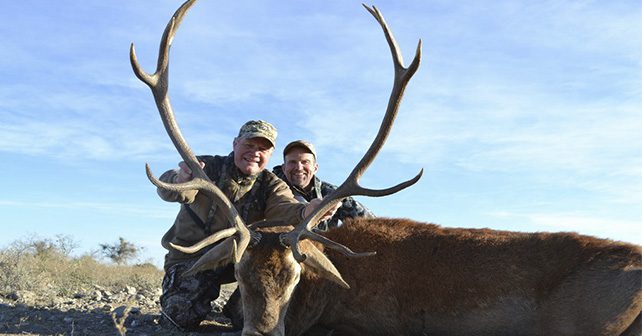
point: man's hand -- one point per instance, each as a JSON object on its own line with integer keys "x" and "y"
{"x": 310, "y": 207}
{"x": 184, "y": 173}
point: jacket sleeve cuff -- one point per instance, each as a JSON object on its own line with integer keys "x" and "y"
{"x": 172, "y": 196}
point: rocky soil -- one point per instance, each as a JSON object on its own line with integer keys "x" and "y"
{"x": 98, "y": 311}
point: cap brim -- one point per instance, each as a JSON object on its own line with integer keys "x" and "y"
{"x": 257, "y": 135}
{"x": 300, "y": 144}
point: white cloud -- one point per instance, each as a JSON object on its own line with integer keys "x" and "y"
{"x": 128, "y": 209}
{"x": 79, "y": 140}
{"x": 618, "y": 229}
{"x": 548, "y": 91}
{"x": 622, "y": 228}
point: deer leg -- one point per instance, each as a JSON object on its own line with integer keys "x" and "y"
{"x": 233, "y": 309}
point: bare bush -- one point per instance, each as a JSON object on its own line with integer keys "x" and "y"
{"x": 60, "y": 245}
{"x": 45, "y": 267}
{"x": 121, "y": 252}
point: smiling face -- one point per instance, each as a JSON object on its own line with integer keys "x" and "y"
{"x": 252, "y": 155}
{"x": 299, "y": 167}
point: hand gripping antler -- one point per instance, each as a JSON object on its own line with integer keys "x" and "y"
{"x": 158, "y": 82}
{"x": 351, "y": 185}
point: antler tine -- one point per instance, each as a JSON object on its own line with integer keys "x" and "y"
{"x": 206, "y": 242}
{"x": 158, "y": 82}
{"x": 337, "y": 247}
{"x": 351, "y": 185}
{"x": 206, "y": 185}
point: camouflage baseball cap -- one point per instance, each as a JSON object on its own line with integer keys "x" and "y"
{"x": 300, "y": 143}
{"x": 258, "y": 129}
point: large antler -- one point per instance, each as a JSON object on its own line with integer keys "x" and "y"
{"x": 351, "y": 185}
{"x": 158, "y": 82}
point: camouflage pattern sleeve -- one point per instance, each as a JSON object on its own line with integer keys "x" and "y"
{"x": 281, "y": 204}
{"x": 212, "y": 166}
{"x": 171, "y": 196}
{"x": 349, "y": 208}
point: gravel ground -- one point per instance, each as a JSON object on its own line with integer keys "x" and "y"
{"x": 99, "y": 311}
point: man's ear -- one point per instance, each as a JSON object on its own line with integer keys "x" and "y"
{"x": 316, "y": 167}
{"x": 236, "y": 140}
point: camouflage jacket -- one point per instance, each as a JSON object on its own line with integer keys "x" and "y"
{"x": 256, "y": 198}
{"x": 348, "y": 209}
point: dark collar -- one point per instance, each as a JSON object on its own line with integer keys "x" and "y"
{"x": 314, "y": 192}
{"x": 235, "y": 174}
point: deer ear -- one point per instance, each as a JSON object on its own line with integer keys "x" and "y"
{"x": 220, "y": 255}
{"x": 322, "y": 265}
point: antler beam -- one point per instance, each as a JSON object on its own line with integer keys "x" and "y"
{"x": 158, "y": 82}
{"x": 351, "y": 185}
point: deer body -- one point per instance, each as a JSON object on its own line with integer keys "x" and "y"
{"x": 429, "y": 280}
{"x": 424, "y": 279}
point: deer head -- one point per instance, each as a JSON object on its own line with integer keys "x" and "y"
{"x": 269, "y": 269}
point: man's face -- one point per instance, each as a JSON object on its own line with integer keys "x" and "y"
{"x": 252, "y": 155}
{"x": 300, "y": 167}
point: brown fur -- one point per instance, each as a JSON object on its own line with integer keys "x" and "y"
{"x": 430, "y": 280}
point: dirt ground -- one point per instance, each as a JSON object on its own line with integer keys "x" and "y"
{"x": 100, "y": 312}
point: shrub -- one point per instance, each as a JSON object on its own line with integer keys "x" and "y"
{"x": 120, "y": 252}
{"x": 45, "y": 267}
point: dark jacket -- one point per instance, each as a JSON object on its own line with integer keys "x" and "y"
{"x": 349, "y": 207}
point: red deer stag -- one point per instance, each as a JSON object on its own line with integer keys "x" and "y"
{"x": 424, "y": 279}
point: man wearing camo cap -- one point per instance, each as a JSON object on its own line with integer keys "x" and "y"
{"x": 256, "y": 193}
{"x": 299, "y": 170}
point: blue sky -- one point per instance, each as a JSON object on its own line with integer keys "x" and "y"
{"x": 525, "y": 115}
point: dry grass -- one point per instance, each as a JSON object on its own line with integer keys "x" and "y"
{"x": 40, "y": 280}
{"x": 46, "y": 267}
